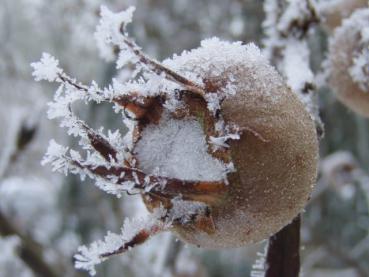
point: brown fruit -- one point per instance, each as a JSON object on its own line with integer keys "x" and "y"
{"x": 333, "y": 12}
{"x": 221, "y": 150}
{"x": 343, "y": 47}
{"x": 275, "y": 158}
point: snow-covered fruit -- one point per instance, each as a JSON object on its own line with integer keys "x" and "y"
{"x": 334, "y": 11}
{"x": 348, "y": 62}
{"x": 221, "y": 150}
{"x": 274, "y": 155}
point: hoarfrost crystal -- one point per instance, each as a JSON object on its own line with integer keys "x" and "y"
{"x": 46, "y": 69}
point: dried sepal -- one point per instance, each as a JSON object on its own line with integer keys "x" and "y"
{"x": 133, "y": 232}
{"x": 137, "y": 231}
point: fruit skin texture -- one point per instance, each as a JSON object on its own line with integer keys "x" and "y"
{"x": 275, "y": 161}
{"x": 333, "y": 13}
{"x": 342, "y": 48}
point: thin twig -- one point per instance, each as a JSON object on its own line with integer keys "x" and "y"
{"x": 159, "y": 68}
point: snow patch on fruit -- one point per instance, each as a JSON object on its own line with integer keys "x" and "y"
{"x": 217, "y": 62}
{"x": 178, "y": 149}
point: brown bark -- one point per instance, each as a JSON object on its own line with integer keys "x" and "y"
{"x": 283, "y": 258}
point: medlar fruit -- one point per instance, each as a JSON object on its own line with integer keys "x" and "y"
{"x": 274, "y": 157}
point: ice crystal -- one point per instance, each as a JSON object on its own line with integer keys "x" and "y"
{"x": 46, "y": 69}
{"x": 109, "y": 29}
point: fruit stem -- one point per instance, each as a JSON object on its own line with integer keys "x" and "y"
{"x": 283, "y": 257}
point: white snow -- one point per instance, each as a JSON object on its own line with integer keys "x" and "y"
{"x": 296, "y": 10}
{"x": 109, "y": 28}
{"x": 178, "y": 149}
{"x": 46, "y": 69}
{"x": 54, "y": 155}
{"x": 296, "y": 64}
{"x": 213, "y": 58}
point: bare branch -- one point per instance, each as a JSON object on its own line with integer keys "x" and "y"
{"x": 29, "y": 251}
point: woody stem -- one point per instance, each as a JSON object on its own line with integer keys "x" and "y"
{"x": 283, "y": 258}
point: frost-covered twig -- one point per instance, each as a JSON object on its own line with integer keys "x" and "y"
{"x": 48, "y": 69}
{"x": 112, "y": 31}
{"x": 116, "y": 179}
{"x": 137, "y": 231}
{"x": 134, "y": 232}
